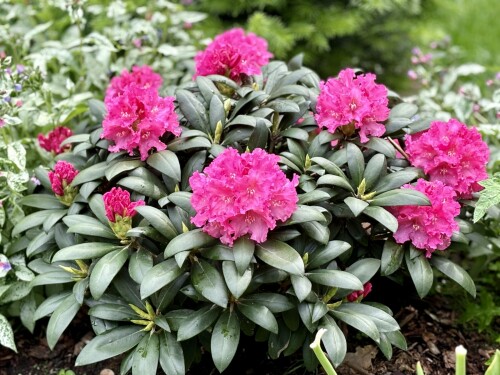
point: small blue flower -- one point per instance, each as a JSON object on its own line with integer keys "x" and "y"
{"x": 18, "y": 87}
{"x": 7, "y": 99}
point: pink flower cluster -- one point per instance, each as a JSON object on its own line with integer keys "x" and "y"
{"x": 239, "y": 194}
{"x": 232, "y": 54}
{"x": 451, "y": 153}
{"x": 428, "y": 227}
{"x": 61, "y": 176}
{"x": 353, "y": 100}
{"x": 52, "y": 141}
{"x": 367, "y": 288}
{"x": 118, "y": 205}
{"x": 137, "y": 116}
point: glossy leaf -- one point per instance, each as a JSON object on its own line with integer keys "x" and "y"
{"x": 193, "y": 239}
{"x": 420, "y": 272}
{"x": 171, "y": 355}
{"x": 198, "y": 322}
{"x": 260, "y": 315}
{"x": 225, "y": 339}
{"x": 335, "y": 278}
{"x": 87, "y": 250}
{"x": 207, "y": 281}
{"x": 392, "y": 257}
{"x": 454, "y": 272}
{"x": 60, "y": 319}
{"x": 105, "y": 270}
{"x": 167, "y": 163}
{"x": 146, "y": 355}
{"x": 280, "y": 255}
{"x": 160, "y": 275}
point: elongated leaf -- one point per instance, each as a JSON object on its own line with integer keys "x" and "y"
{"x": 401, "y": 197}
{"x": 142, "y": 186}
{"x": 335, "y": 278}
{"x": 355, "y": 205}
{"x": 91, "y": 173}
{"x": 361, "y": 322}
{"x": 275, "y": 302}
{"x": 33, "y": 220}
{"x": 159, "y": 276}
{"x": 60, "y": 319}
{"x": 159, "y": 220}
{"x": 243, "y": 251}
{"x": 110, "y": 344}
{"x": 48, "y": 306}
{"x": 198, "y": 322}
{"x": 6, "y": 334}
{"x": 364, "y": 269}
{"x": 140, "y": 263}
{"x": 383, "y": 146}
{"x": 317, "y": 231}
{"x": 167, "y": 163}
{"x": 121, "y": 166}
{"x": 334, "y": 340}
{"x": 454, "y": 272}
{"x": 171, "y": 355}
{"x": 383, "y": 321}
{"x": 301, "y": 286}
{"x": 329, "y": 179}
{"x": 304, "y": 214}
{"x": 43, "y": 201}
{"x": 207, "y": 281}
{"x": 54, "y": 277}
{"x": 237, "y": 283}
{"x": 105, "y": 270}
{"x": 375, "y": 169}
{"x": 397, "y": 179}
{"x": 187, "y": 241}
{"x": 225, "y": 339}
{"x": 324, "y": 255}
{"x": 260, "y": 315}
{"x": 392, "y": 257}
{"x": 420, "y": 272}
{"x": 146, "y": 356}
{"x": 87, "y": 250}
{"x": 355, "y": 162}
{"x": 280, "y": 255}
{"x": 192, "y": 109}
{"x": 89, "y": 226}
{"x": 112, "y": 311}
{"x": 383, "y": 216}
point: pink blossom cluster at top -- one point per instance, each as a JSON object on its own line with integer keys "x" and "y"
{"x": 367, "y": 288}
{"x": 428, "y": 227}
{"x": 137, "y": 117}
{"x": 52, "y": 141}
{"x": 118, "y": 205}
{"x": 232, "y": 54}
{"x": 451, "y": 153}
{"x": 61, "y": 176}
{"x": 352, "y": 99}
{"x": 239, "y": 194}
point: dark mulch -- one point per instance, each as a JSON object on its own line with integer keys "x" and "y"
{"x": 430, "y": 328}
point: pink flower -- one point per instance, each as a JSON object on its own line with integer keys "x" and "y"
{"x": 2, "y": 123}
{"x": 367, "y": 288}
{"x": 232, "y": 54}
{"x": 429, "y": 228}
{"x": 412, "y": 74}
{"x": 52, "y": 141}
{"x": 239, "y": 194}
{"x": 61, "y": 177}
{"x": 137, "y": 116}
{"x": 118, "y": 205}
{"x": 353, "y": 100}
{"x": 451, "y": 153}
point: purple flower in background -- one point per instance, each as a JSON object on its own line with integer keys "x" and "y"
{"x": 18, "y": 87}
{"x": 4, "y": 265}
{"x": 20, "y": 68}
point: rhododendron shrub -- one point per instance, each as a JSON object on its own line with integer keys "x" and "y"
{"x": 242, "y": 194}
{"x": 452, "y": 153}
{"x": 61, "y": 178}
{"x": 234, "y": 54}
{"x": 248, "y": 222}
{"x": 137, "y": 117}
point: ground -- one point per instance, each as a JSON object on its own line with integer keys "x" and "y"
{"x": 430, "y": 328}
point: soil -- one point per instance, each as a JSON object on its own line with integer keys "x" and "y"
{"x": 430, "y": 328}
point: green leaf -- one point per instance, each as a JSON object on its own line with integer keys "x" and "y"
{"x": 167, "y": 163}
{"x": 383, "y": 321}
{"x": 16, "y": 291}
{"x": 383, "y": 216}
{"x": 198, "y": 322}
{"x": 375, "y": 169}
{"x": 121, "y": 166}
{"x": 237, "y": 283}
{"x": 91, "y": 173}
{"x": 112, "y": 311}
{"x": 355, "y": 163}
{"x": 171, "y": 355}
{"x": 207, "y": 281}
{"x": 283, "y": 106}
{"x": 96, "y": 204}
{"x": 301, "y": 286}
{"x": 329, "y": 166}
{"x": 60, "y": 319}
{"x": 6, "y": 334}
{"x": 193, "y": 239}
{"x": 87, "y": 250}
{"x": 50, "y": 304}
{"x": 383, "y": 146}
{"x": 160, "y": 275}
{"x": 146, "y": 356}
{"x": 397, "y": 339}
{"x": 280, "y": 255}
{"x": 306, "y": 312}
{"x": 187, "y": 143}
{"x": 355, "y": 205}
{"x": 325, "y": 255}
{"x": 33, "y": 220}
{"x": 105, "y": 270}
{"x": 361, "y": 322}
{"x": 243, "y": 251}
{"x": 420, "y": 272}
{"x": 392, "y": 257}
{"x": 397, "y": 179}
{"x": 334, "y": 340}
{"x": 401, "y": 197}
{"x": 304, "y": 214}
{"x": 314, "y": 196}
{"x": 488, "y": 197}
{"x": 110, "y": 344}
{"x": 182, "y": 199}
{"x": 55, "y": 277}
{"x": 364, "y": 269}
{"x": 259, "y": 136}
{"x": 335, "y": 278}
{"x": 406, "y": 110}
{"x": 317, "y": 231}
{"x": 140, "y": 263}
{"x": 275, "y": 302}
{"x": 454, "y": 272}
{"x": 225, "y": 339}
{"x": 192, "y": 109}
{"x": 27, "y": 313}
{"x": 142, "y": 186}
{"x": 260, "y": 315}
{"x": 329, "y": 179}
{"x": 43, "y": 201}
{"x": 89, "y": 226}
{"x": 159, "y": 220}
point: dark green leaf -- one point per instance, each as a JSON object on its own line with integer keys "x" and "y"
{"x": 87, "y": 250}
{"x": 355, "y": 163}
{"x": 401, "y": 197}
{"x": 160, "y": 275}
{"x": 193, "y": 239}
{"x": 361, "y": 322}
{"x": 43, "y": 201}
{"x": 316, "y": 231}
{"x": 259, "y": 136}
{"x": 375, "y": 169}
{"x": 339, "y": 181}
{"x": 304, "y": 214}
{"x": 260, "y": 315}
{"x": 121, "y": 166}
{"x": 420, "y": 272}
{"x": 105, "y": 270}
{"x": 383, "y": 216}
{"x": 192, "y": 109}
{"x": 406, "y": 110}
{"x": 167, "y": 163}
{"x": 383, "y": 321}
{"x": 140, "y": 263}
{"x": 335, "y": 278}
{"x": 209, "y": 283}
{"x": 89, "y": 226}
{"x": 225, "y": 339}
{"x": 243, "y": 251}
{"x": 91, "y": 173}
{"x": 112, "y": 311}
{"x": 397, "y": 179}
{"x": 146, "y": 356}
{"x": 142, "y": 186}
{"x": 325, "y": 255}
{"x": 301, "y": 286}
{"x": 392, "y": 257}
{"x": 355, "y": 205}
{"x": 159, "y": 220}
{"x": 197, "y": 322}
{"x": 60, "y": 319}
{"x": 454, "y": 272}
{"x": 364, "y": 269}
{"x": 275, "y": 302}
{"x": 382, "y": 146}
{"x": 334, "y": 340}
{"x": 237, "y": 283}
{"x": 48, "y": 306}
{"x": 171, "y": 355}
{"x": 280, "y": 255}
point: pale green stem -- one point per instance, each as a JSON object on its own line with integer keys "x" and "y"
{"x": 316, "y": 347}
{"x": 420, "y": 371}
{"x": 460, "y": 353}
